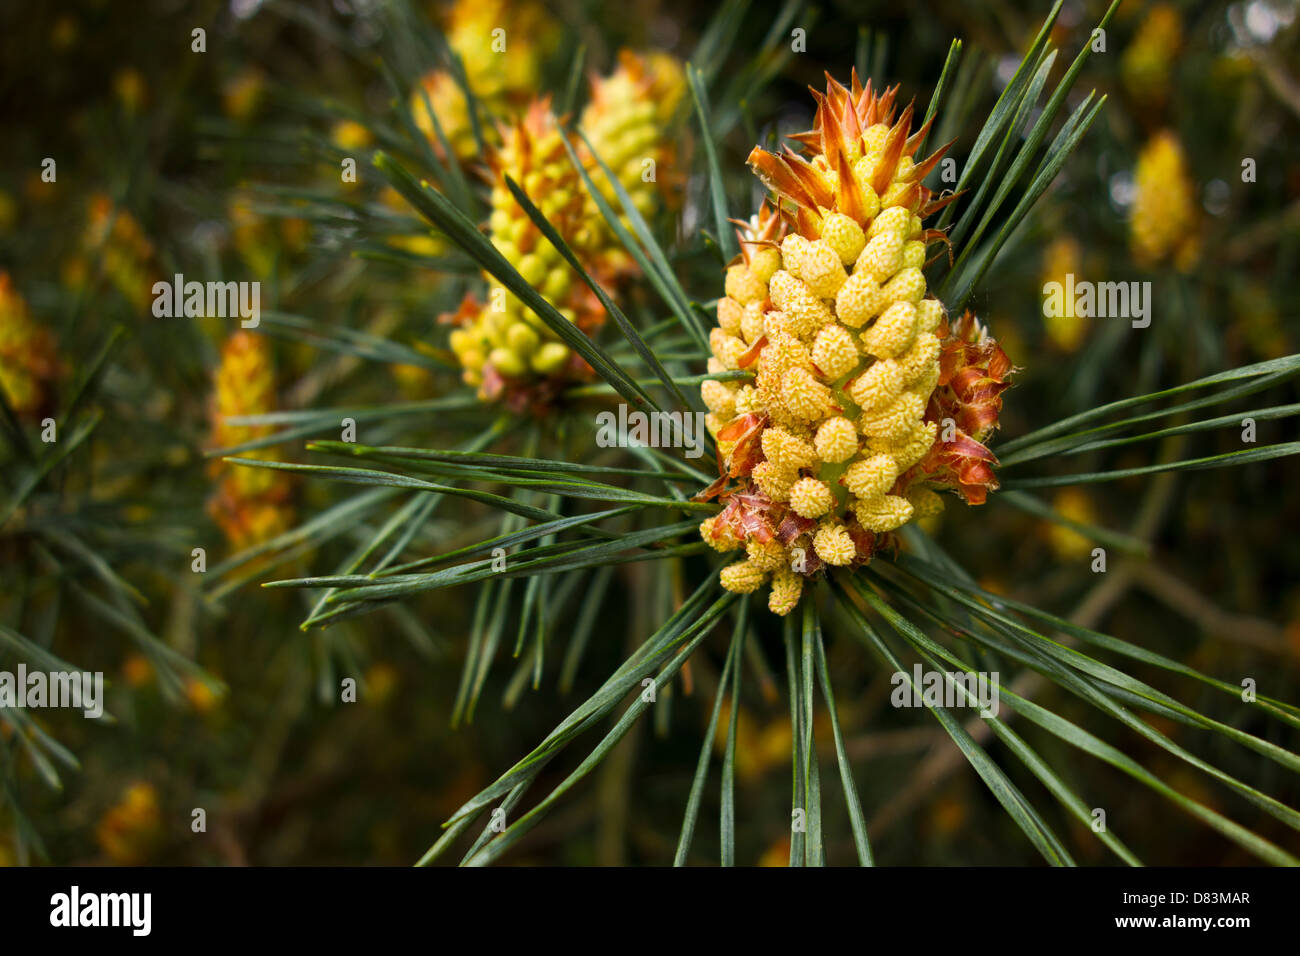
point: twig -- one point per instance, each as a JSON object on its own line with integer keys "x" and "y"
{"x": 1261, "y": 233}
{"x": 887, "y": 742}
{"x": 1181, "y": 597}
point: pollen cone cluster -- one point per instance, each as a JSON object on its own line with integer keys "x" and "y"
{"x": 1164, "y": 223}
{"x": 1061, "y": 258}
{"x": 501, "y": 46}
{"x": 242, "y": 95}
{"x": 1151, "y": 56}
{"x": 837, "y": 441}
{"x": 130, "y": 830}
{"x": 115, "y": 236}
{"x": 250, "y": 505}
{"x": 503, "y": 347}
{"x": 29, "y": 360}
{"x": 625, "y": 122}
{"x": 261, "y": 242}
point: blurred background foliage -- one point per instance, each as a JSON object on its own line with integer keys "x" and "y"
{"x": 209, "y": 164}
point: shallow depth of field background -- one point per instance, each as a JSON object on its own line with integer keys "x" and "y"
{"x": 114, "y": 92}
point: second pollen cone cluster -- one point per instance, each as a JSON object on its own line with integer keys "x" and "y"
{"x": 503, "y": 347}
{"x": 250, "y": 505}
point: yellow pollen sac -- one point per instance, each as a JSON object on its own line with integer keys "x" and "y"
{"x": 894, "y": 196}
{"x": 805, "y": 312}
{"x": 724, "y": 541}
{"x": 550, "y": 358}
{"x": 727, "y": 349}
{"x": 907, "y": 285}
{"x": 774, "y": 481}
{"x": 870, "y": 477}
{"x": 767, "y": 386}
{"x": 916, "y": 360}
{"x": 522, "y": 338}
{"x": 811, "y": 498}
{"x": 925, "y": 383}
{"x": 913, "y": 254}
{"x": 785, "y": 451}
{"x": 882, "y": 256}
{"x": 833, "y": 544}
{"x": 782, "y": 353}
{"x": 555, "y": 286}
{"x": 873, "y": 138}
{"x": 776, "y": 323}
{"x": 786, "y": 590}
{"x": 793, "y": 248}
{"x": 822, "y": 270}
{"x": 730, "y": 313}
{"x": 747, "y": 400}
{"x": 925, "y": 502}
{"x": 859, "y": 300}
{"x": 863, "y": 169}
{"x": 743, "y": 286}
{"x": 929, "y": 314}
{"x": 719, "y": 399}
{"x": 896, "y": 219}
{"x": 804, "y": 396}
{"x": 742, "y": 578}
{"x": 507, "y": 362}
{"x": 765, "y": 555}
{"x": 752, "y": 323}
{"x": 845, "y": 236}
{"x": 533, "y": 268}
{"x": 836, "y": 440}
{"x": 895, "y": 420}
{"x": 912, "y": 447}
{"x": 764, "y": 262}
{"x": 834, "y": 352}
{"x": 884, "y": 513}
{"x": 878, "y": 386}
{"x": 893, "y": 333}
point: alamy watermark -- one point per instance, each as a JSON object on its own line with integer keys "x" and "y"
{"x": 652, "y": 430}
{"x": 79, "y": 690}
{"x": 133, "y": 911}
{"x": 222, "y": 300}
{"x": 1102, "y": 300}
{"x": 946, "y": 689}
